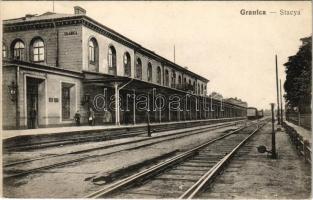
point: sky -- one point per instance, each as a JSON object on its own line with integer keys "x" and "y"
{"x": 235, "y": 52}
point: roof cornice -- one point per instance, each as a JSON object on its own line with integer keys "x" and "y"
{"x": 42, "y": 67}
{"x": 42, "y": 23}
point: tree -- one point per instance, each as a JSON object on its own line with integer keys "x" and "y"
{"x": 299, "y": 77}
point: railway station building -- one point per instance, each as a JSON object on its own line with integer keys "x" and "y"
{"x": 55, "y": 65}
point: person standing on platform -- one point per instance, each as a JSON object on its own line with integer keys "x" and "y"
{"x": 77, "y": 118}
{"x": 33, "y": 118}
{"x": 107, "y": 118}
{"x": 148, "y": 123}
{"x": 91, "y": 117}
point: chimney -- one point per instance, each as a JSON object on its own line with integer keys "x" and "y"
{"x": 29, "y": 16}
{"x": 79, "y": 10}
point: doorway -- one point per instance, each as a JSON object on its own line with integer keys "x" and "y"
{"x": 32, "y": 102}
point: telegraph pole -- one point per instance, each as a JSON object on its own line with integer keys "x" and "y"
{"x": 281, "y": 103}
{"x": 277, "y": 93}
{"x": 274, "y": 155}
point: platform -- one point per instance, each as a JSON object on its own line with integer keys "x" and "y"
{"x": 6, "y": 134}
{"x": 257, "y": 176}
{"x": 306, "y": 134}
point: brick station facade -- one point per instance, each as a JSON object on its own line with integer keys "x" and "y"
{"x": 57, "y": 64}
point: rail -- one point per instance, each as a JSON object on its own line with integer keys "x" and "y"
{"x": 217, "y": 168}
{"x": 168, "y": 137}
{"x": 145, "y": 174}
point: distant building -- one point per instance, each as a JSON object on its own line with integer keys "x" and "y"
{"x": 237, "y": 101}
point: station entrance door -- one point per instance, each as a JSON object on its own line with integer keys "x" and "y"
{"x": 32, "y": 101}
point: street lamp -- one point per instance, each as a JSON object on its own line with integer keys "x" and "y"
{"x": 13, "y": 91}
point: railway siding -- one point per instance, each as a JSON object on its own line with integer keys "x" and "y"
{"x": 59, "y": 159}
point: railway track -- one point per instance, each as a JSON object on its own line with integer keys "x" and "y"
{"x": 24, "y": 167}
{"x": 182, "y": 176}
{"x": 98, "y": 136}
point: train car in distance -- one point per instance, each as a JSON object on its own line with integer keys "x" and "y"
{"x": 252, "y": 113}
{"x": 260, "y": 113}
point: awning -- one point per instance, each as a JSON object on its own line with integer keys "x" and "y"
{"x": 140, "y": 85}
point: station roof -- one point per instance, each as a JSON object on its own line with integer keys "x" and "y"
{"x": 134, "y": 84}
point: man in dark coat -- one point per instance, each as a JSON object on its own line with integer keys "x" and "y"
{"x": 77, "y": 118}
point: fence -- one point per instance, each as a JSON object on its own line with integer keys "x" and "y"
{"x": 303, "y": 146}
{"x": 303, "y": 120}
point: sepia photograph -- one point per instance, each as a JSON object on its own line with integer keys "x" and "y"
{"x": 156, "y": 99}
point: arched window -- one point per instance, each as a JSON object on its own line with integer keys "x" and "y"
{"x": 194, "y": 87}
{"x": 179, "y": 80}
{"x": 173, "y": 78}
{"x": 159, "y": 75}
{"x": 18, "y": 50}
{"x": 4, "y": 51}
{"x": 92, "y": 51}
{"x": 138, "y": 69}
{"x": 127, "y": 65}
{"x": 149, "y": 72}
{"x": 93, "y": 55}
{"x": 166, "y": 78}
{"x": 112, "y": 60}
{"x": 38, "y": 50}
{"x": 205, "y": 90}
